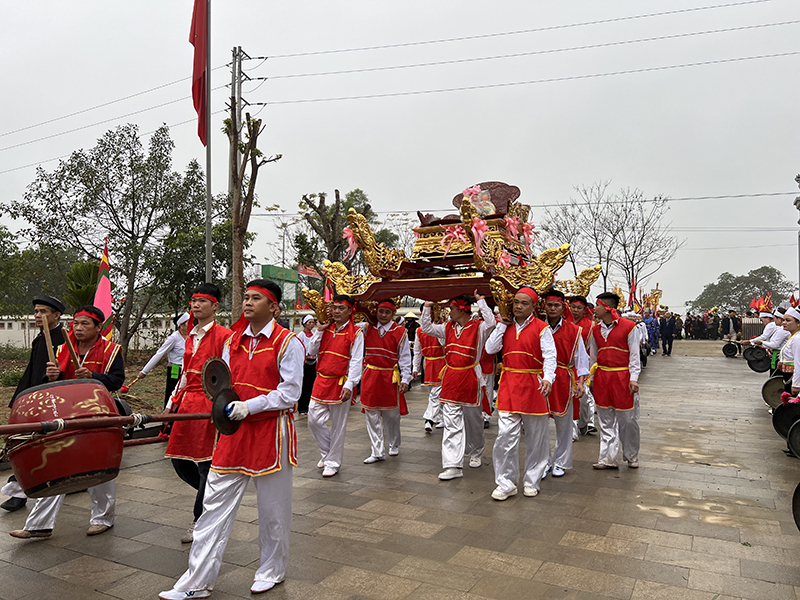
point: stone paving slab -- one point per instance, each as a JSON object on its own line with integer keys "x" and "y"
{"x": 706, "y": 517}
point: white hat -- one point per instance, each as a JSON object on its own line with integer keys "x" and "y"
{"x": 183, "y": 318}
{"x": 793, "y": 312}
{"x": 767, "y": 315}
{"x": 410, "y": 314}
{"x": 308, "y": 318}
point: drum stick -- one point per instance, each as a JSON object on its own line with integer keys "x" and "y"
{"x": 75, "y": 360}
{"x": 51, "y": 355}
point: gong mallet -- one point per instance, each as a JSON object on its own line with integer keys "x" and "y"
{"x": 74, "y": 355}
{"x": 51, "y": 355}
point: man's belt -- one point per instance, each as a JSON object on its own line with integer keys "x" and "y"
{"x": 395, "y": 371}
{"x": 510, "y": 370}
{"x": 434, "y": 357}
{"x": 604, "y": 368}
{"x": 446, "y": 366}
{"x": 342, "y": 378}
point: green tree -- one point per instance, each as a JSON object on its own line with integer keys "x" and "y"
{"x": 731, "y": 291}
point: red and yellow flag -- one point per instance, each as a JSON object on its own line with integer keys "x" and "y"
{"x": 102, "y": 297}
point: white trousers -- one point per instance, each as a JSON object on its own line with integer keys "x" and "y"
{"x": 619, "y": 429}
{"x": 433, "y": 412}
{"x": 463, "y": 434}
{"x": 221, "y": 502}
{"x": 562, "y": 452}
{"x": 587, "y": 409}
{"x": 104, "y": 499}
{"x": 329, "y": 441}
{"x": 378, "y": 422}
{"x": 505, "y": 455}
{"x": 488, "y": 382}
{"x": 12, "y": 489}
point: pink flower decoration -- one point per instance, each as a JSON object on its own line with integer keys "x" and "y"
{"x": 512, "y": 228}
{"x": 529, "y": 235}
{"x": 471, "y": 191}
{"x": 352, "y": 246}
{"x": 479, "y": 229}
{"x": 505, "y": 260}
{"x": 452, "y": 234}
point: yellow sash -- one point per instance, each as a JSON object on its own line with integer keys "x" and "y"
{"x": 395, "y": 371}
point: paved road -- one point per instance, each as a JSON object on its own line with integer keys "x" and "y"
{"x": 707, "y": 516}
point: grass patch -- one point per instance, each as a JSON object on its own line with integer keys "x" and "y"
{"x": 11, "y": 352}
{"x": 11, "y": 377}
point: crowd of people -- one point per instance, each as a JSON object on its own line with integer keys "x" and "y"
{"x": 574, "y": 363}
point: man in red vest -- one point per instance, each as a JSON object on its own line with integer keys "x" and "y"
{"x": 463, "y": 393}
{"x": 572, "y": 370}
{"x": 387, "y": 373}
{"x": 430, "y": 347}
{"x": 101, "y": 360}
{"x": 266, "y": 363}
{"x": 339, "y": 346}
{"x": 614, "y": 346}
{"x": 580, "y": 313}
{"x": 191, "y": 443}
{"x": 529, "y": 369}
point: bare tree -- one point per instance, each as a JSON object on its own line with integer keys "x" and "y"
{"x": 244, "y": 152}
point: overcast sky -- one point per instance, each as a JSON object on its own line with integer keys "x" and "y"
{"x": 720, "y": 129}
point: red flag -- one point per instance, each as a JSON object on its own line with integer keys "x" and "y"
{"x": 102, "y": 297}
{"x": 198, "y": 39}
{"x": 632, "y": 297}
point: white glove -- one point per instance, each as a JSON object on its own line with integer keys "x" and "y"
{"x": 237, "y": 410}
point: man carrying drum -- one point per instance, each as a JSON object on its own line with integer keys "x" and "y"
{"x": 100, "y": 359}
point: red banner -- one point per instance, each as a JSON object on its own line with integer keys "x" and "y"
{"x": 198, "y": 38}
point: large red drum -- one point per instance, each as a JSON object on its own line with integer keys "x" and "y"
{"x": 67, "y": 461}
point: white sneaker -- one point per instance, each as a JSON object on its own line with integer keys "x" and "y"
{"x": 633, "y": 464}
{"x": 321, "y": 463}
{"x": 440, "y": 425}
{"x": 176, "y": 595}
{"x": 500, "y": 495}
{"x": 530, "y": 492}
{"x": 546, "y": 471}
{"x": 259, "y": 587}
{"x": 372, "y": 459}
{"x": 393, "y": 451}
{"x": 450, "y": 473}
{"x": 188, "y": 537}
{"x": 558, "y": 471}
{"x": 474, "y": 461}
{"x": 329, "y": 471}
{"x": 428, "y": 427}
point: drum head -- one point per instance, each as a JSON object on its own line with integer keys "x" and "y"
{"x": 758, "y": 353}
{"x": 221, "y": 420}
{"x": 748, "y": 353}
{"x": 730, "y": 350}
{"x": 796, "y": 506}
{"x": 793, "y": 438}
{"x": 771, "y": 391}
{"x": 216, "y": 376}
{"x": 784, "y": 417}
{"x": 760, "y": 365}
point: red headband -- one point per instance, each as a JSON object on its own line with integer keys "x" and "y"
{"x": 347, "y": 303}
{"x": 86, "y": 313}
{"x": 460, "y": 304}
{"x": 208, "y": 297}
{"x": 613, "y": 311}
{"x": 578, "y": 300}
{"x": 386, "y": 304}
{"x": 554, "y": 297}
{"x": 263, "y": 291}
{"x": 529, "y": 292}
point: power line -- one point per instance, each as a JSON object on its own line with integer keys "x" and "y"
{"x": 531, "y": 82}
{"x": 743, "y": 247}
{"x": 109, "y": 103}
{"x": 522, "y": 54}
{"x": 518, "y": 32}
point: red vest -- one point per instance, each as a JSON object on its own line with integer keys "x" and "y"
{"x": 487, "y": 363}
{"x": 460, "y": 383}
{"x": 434, "y": 358}
{"x": 586, "y": 324}
{"x": 194, "y": 440}
{"x": 381, "y": 378}
{"x": 98, "y": 359}
{"x": 610, "y": 386}
{"x": 333, "y": 362}
{"x": 255, "y": 448}
{"x": 566, "y": 338}
{"x": 518, "y": 390}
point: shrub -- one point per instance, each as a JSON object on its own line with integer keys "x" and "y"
{"x": 11, "y": 377}
{"x": 11, "y": 352}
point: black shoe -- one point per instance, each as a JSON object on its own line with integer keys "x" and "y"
{"x": 584, "y": 430}
{"x": 592, "y": 429}
{"x": 13, "y": 504}
{"x": 486, "y": 424}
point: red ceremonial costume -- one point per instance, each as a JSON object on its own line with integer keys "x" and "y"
{"x": 487, "y": 363}
{"x": 566, "y": 338}
{"x": 255, "y": 449}
{"x": 433, "y": 353}
{"x": 194, "y": 440}
{"x": 460, "y": 383}
{"x": 518, "y": 391}
{"x": 98, "y": 359}
{"x": 611, "y": 379}
{"x": 381, "y": 378}
{"x": 333, "y": 361}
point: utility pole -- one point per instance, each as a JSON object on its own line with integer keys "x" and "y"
{"x": 209, "y": 263}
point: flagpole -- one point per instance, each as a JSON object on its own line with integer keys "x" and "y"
{"x": 208, "y": 141}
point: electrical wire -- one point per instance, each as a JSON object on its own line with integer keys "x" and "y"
{"x": 532, "y": 53}
{"x": 518, "y": 32}
{"x": 742, "y": 247}
{"x": 533, "y": 81}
